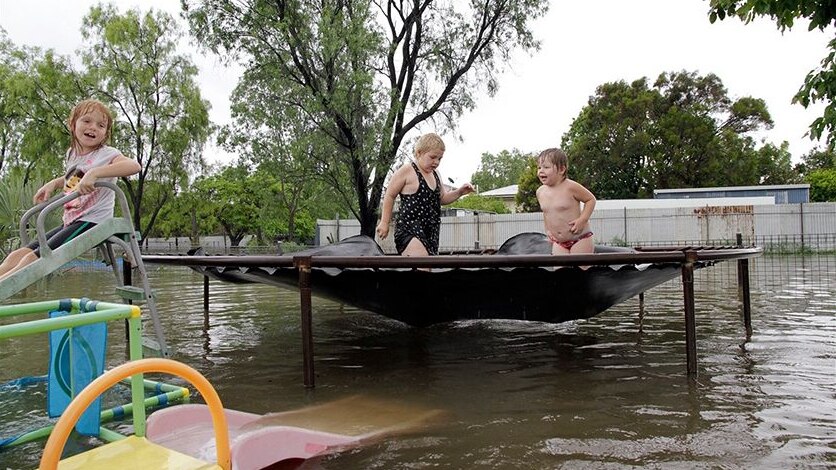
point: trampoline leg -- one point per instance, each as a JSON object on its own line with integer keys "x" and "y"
{"x": 303, "y": 264}
{"x": 641, "y": 312}
{"x": 690, "y": 320}
{"x": 206, "y": 295}
{"x": 743, "y": 290}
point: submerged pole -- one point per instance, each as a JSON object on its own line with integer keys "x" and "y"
{"x": 205, "y": 294}
{"x": 743, "y": 289}
{"x": 641, "y": 311}
{"x": 690, "y": 320}
{"x": 747, "y": 305}
{"x": 303, "y": 265}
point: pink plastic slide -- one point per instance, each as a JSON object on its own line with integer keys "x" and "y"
{"x": 258, "y": 441}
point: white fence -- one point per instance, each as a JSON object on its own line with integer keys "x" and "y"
{"x": 793, "y": 226}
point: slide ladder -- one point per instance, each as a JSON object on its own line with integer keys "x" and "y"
{"x": 115, "y": 231}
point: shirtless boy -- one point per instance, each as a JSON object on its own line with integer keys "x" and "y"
{"x": 560, "y": 198}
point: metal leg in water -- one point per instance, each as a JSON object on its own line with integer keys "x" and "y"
{"x": 206, "y": 295}
{"x": 743, "y": 289}
{"x": 641, "y": 312}
{"x": 303, "y": 264}
{"x": 743, "y": 284}
{"x": 690, "y": 320}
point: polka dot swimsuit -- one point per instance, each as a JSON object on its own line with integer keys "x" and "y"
{"x": 419, "y": 215}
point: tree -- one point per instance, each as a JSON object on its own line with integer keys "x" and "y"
{"x": 502, "y": 169}
{"x": 366, "y": 74}
{"x": 820, "y": 84}
{"x": 816, "y": 159}
{"x": 775, "y": 165}
{"x": 683, "y": 132}
{"x": 187, "y": 214}
{"x": 822, "y": 185}
{"x": 475, "y": 202}
{"x": 11, "y": 119}
{"x": 161, "y": 119}
{"x": 608, "y": 144}
{"x": 527, "y": 190}
{"x": 235, "y": 200}
{"x": 37, "y": 91}
{"x": 284, "y": 145}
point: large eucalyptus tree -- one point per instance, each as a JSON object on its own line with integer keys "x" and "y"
{"x": 367, "y": 73}
{"x": 162, "y": 121}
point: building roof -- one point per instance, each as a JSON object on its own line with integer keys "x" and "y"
{"x": 505, "y": 191}
{"x": 765, "y": 187}
{"x": 604, "y": 204}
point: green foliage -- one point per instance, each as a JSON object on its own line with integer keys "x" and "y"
{"x": 608, "y": 142}
{"x": 502, "y": 169}
{"x": 245, "y": 202}
{"x": 822, "y": 185}
{"x": 820, "y": 83}
{"x": 816, "y": 159}
{"x": 683, "y": 132}
{"x": 187, "y": 214}
{"x": 15, "y": 200}
{"x": 235, "y": 199}
{"x": 161, "y": 119}
{"x": 37, "y": 91}
{"x": 775, "y": 165}
{"x": 364, "y": 74}
{"x": 821, "y": 13}
{"x": 476, "y": 202}
{"x": 527, "y": 190}
{"x": 286, "y": 146}
{"x": 129, "y": 63}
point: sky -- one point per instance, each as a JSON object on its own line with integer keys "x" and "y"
{"x": 584, "y": 44}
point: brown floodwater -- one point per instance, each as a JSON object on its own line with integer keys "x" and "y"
{"x": 595, "y": 393}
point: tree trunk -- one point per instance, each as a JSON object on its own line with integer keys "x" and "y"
{"x": 368, "y": 220}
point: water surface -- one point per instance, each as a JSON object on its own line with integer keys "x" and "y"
{"x": 597, "y": 393}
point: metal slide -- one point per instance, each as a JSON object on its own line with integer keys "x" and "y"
{"x": 118, "y": 230}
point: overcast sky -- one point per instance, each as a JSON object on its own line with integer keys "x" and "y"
{"x": 584, "y": 44}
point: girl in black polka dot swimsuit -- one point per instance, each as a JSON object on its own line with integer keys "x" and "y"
{"x": 419, "y": 217}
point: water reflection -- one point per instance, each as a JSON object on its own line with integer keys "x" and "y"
{"x": 598, "y": 393}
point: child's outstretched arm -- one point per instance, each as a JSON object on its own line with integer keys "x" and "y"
{"x": 120, "y": 166}
{"x": 448, "y": 197}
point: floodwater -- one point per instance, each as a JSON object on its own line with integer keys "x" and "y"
{"x": 596, "y": 393}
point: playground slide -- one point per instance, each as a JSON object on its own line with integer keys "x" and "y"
{"x": 258, "y": 441}
{"x": 63, "y": 255}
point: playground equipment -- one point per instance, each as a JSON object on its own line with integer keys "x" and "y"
{"x": 117, "y": 230}
{"x": 190, "y": 435}
{"x": 136, "y": 451}
{"x": 180, "y": 437}
{"x": 77, "y": 329}
{"x": 258, "y": 441}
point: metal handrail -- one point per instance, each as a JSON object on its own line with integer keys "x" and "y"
{"x": 57, "y": 201}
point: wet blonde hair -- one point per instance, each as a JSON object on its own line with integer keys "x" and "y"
{"x": 555, "y": 156}
{"x": 85, "y": 107}
{"x": 429, "y": 142}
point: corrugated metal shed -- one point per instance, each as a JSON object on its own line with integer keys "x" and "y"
{"x": 783, "y": 193}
